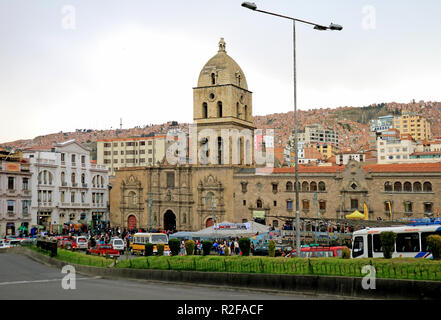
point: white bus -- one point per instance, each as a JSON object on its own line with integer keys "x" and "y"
{"x": 411, "y": 241}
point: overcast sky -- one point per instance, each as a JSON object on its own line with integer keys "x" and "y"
{"x": 84, "y": 64}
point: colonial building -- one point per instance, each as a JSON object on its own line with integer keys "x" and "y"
{"x": 189, "y": 196}
{"x": 66, "y": 187}
{"x": 15, "y": 194}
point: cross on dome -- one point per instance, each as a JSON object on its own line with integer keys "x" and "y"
{"x": 222, "y": 45}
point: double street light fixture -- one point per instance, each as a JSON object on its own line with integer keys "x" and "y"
{"x": 333, "y": 27}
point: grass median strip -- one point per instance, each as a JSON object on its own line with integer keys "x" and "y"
{"x": 398, "y": 268}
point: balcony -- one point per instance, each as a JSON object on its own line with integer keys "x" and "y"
{"x": 84, "y": 185}
{"x": 74, "y": 184}
{"x": 64, "y": 184}
{"x": 45, "y": 203}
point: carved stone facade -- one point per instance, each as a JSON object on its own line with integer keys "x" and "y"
{"x": 181, "y": 196}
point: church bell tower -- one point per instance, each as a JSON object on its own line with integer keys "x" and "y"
{"x": 223, "y": 105}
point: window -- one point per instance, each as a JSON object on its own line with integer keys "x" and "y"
{"x": 170, "y": 179}
{"x": 11, "y": 205}
{"x": 244, "y": 202}
{"x": 259, "y": 203}
{"x": 377, "y": 243}
{"x": 213, "y": 78}
{"x": 388, "y": 186}
{"x": 275, "y": 223}
{"x": 313, "y": 186}
{"x": 11, "y": 183}
{"x": 219, "y": 109}
{"x": 275, "y": 203}
{"x": 322, "y": 205}
{"x": 428, "y": 207}
{"x": 289, "y": 186}
{"x": 289, "y": 204}
{"x": 417, "y": 187}
{"x": 72, "y": 197}
{"x": 408, "y": 242}
{"x": 83, "y": 159}
{"x": 204, "y": 110}
{"x": 25, "y": 183}
{"x": 397, "y": 187}
{"x": 83, "y": 197}
{"x": 407, "y": 187}
{"x": 408, "y": 206}
{"x": 357, "y": 247}
{"x": 63, "y": 157}
{"x": 427, "y": 187}
{"x": 244, "y": 186}
{"x": 424, "y": 236}
{"x": 62, "y": 196}
{"x": 25, "y": 206}
{"x": 305, "y": 186}
{"x": 354, "y": 203}
{"x": 274, "y": 187}
{"x": 73, "y": 159}
{"x": 321, "y": 186}
{"x": 305, "y": 204}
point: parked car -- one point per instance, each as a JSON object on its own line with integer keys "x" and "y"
{"x": 4, "y": 244}
{"x": 104, "y": 250}
{"x": 118, "y": 244}
{"x": 79, "y": 243}
{"x": 262, "y": 250}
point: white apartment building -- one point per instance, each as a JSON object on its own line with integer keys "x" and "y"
{"x": 395, "y": 151}
{"x": 343, "y": 158}
{"x": 131, "y": 152}
{"x": 66, "y": 187}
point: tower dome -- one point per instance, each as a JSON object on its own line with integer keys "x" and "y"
{"x": 222, "y": 70}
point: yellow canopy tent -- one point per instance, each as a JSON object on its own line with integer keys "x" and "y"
{"x": 355, "y": 215}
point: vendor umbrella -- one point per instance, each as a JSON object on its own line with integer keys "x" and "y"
{"x": 355, "y": 215}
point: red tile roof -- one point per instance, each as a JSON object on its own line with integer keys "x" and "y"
{"x": 374, "y": 168}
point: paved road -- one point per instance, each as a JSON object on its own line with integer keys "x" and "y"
{"x": 23, "y": 278}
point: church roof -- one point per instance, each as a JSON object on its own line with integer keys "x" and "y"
{"x": 225, "y": 69}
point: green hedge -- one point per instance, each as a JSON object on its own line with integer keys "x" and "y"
{"x": 398, "y": 268}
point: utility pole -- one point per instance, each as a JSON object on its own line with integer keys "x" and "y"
{"x": 150, "y": 206}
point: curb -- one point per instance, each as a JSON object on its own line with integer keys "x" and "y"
{"x": 349, "y": 287}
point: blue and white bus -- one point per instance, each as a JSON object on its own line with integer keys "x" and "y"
{"x": 411, "y": 240}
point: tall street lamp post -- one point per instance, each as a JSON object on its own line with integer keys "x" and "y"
{"x": 332, "y": 26}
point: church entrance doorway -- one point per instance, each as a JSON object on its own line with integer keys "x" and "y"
{"x": 131, "y": 223}
{"x": 169, "y": 220}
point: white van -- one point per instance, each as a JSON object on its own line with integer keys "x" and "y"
{"x": 118, "y": 244}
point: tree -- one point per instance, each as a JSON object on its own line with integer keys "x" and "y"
{"x": 206, "y": 247}
{"x": 244, "y": 245}
{"x": 148, "y": 249}
{"x": 434, "y": 245}
{"x": 272, "y": 248}
{"x": 175, "y": 246}
{"x": 387, "y": 240}
{"x": 189, "y": 247}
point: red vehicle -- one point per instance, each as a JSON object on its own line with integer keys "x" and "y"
{"x": 63, "y": 241}
{"x": 104, "y": 250}
{"x": 317, "y": 252}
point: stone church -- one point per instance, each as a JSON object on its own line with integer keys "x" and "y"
{"x": 222, "y": 181}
